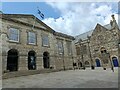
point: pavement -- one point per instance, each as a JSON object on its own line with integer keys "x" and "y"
{"x": 87, "y": 78}
{"x": 26, "y": 73}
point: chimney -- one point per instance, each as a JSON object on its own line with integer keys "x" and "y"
{"x": 113, "y": 18}
{"x": 113, "y": 22}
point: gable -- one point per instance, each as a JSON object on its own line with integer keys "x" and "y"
{"x": 100, "y": 35}
{"x": 30, "y": 20}
{"x": 99, "y": 29}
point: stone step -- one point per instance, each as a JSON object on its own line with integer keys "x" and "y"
{"x": 25, "y": 73}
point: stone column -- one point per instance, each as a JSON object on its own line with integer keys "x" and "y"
{"x": 4, "y": 63}
{"x": 52, "y": 61}
{"x": 4, "y": 48}
{"x": 22, "y": 63}
{"x": 39, "y": 63}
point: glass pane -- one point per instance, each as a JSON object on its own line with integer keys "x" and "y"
{"x": 31, "y": 37}
{"x": 45, "y": 40}
{"x": 60, "y": 47}
{"x": 14, "y": 34}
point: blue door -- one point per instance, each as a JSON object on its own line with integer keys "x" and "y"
{"x": 98, "y": 63}
{"x": 115, "y": 62}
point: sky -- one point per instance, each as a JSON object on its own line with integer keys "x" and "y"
{"x": 72, "y": 18}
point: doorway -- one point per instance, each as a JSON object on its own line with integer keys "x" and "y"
{"x": 12, "y": 60}
{"x": 98, "y": 63}
{"x": 31, "y": 60}
{"x": 115, "y": 61}
{"x": 46, "y": 61}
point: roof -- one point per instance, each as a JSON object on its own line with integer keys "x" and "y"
{"x": 83, "y": 36}
{"x": 89, "y": 33}
{"x": 108, "y": 26}
{"x": 64, "y": 35}
{"x": 11, "y": 17}
{"x": 49, "y": 29}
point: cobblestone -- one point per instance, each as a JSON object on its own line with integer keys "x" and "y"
{"x": 88, "y": 78}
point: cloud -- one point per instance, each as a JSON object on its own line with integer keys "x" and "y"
{"x": 80, "y": 17}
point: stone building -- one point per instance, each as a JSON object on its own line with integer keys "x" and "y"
{"x": 29, "y": 44}
{"x": 99, "y": 47}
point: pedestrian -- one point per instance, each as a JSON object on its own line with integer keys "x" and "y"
{"x": 74, "y": 65}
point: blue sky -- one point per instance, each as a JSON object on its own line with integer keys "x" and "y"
{"x": 29, "y": 8}
{"x": 72, "y": 18}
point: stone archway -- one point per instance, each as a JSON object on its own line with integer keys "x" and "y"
{"x": 12, "y": 60}
{"x": 115, "y": 62}
{"x": 105, "y": 55}
{"x": 87, "y": 64}
{"x": 98, "y": 64}
{"x": 31, "y": 60}
{"x": 46, "y": 61}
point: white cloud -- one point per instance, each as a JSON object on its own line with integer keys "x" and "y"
{"x": 77, "y": 18}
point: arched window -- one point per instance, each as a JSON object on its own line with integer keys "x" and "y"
{"x": 103, "y": 50}
{"x": 87, "y": 64}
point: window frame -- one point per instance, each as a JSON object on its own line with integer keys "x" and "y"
{"x": 34, "y": 39}
{"x": 62, "y": 49}
{"x": 11, "y": 40}
{"x": 69, "y": 47}
{"x": 45, "y": 45}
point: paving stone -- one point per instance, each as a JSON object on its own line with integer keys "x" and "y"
{"x": 88, "y": 78}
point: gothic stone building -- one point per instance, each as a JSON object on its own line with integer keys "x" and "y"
{"x": 29, "y": 44}
{"x": 99, "y": 47}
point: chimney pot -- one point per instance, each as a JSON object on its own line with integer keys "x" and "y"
{"x": 113, "y": 17}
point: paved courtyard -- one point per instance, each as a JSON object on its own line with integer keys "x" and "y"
{"x": 88, "y": 78}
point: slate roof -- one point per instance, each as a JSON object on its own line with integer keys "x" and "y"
{"x": 83, "y": 36}
{"x": 89, "y": 33}
{"x": 108, "y": 26}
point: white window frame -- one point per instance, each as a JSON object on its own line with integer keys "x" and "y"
{"x": 43, "y": 41}
{"x": 29, "y": 36}
{"x": 17, "y": 34}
